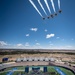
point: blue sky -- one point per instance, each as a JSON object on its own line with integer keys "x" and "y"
{"x": 22, "y": 27}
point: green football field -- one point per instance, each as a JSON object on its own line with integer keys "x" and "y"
{"x": 50, "y": 71}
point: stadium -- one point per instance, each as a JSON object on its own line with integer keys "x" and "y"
{"x": 35, "y": 66}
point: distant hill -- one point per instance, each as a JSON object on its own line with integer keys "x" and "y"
{"x": 34, "y": 51}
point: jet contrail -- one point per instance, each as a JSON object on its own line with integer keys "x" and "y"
{"x": 53, "y": 5}
{"x": 42, "y": 6}
{"x": 47, "y": 6}
{"x": 35, "y": 7}
{"x": 59, "y": 4}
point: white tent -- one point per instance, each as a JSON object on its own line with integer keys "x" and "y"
{"x": 24, "y": 59}
{"x": 52, "y": 59}
{"x": 18, "y": 60}
{"x": 35, "y": 59}
{"x": 41, "y": 59}
{"x": 46, "y": 59}
{"x": 30, "y": 59}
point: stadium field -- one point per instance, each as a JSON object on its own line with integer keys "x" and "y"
{"x": 50, "y": 70}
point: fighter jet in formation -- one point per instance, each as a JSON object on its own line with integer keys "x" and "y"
{"x": 52, "y": 16}
{"x": 43, "y": 18}
{"x": 48, "y": 17}
{"x": 60, "y": 11}
{"x": 55, "y": 14}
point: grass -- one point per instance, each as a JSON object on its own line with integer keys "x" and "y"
{"x": 17, "y": 72}
{"x": 51, "y": 69}
{"x": 67, "y": 72}
{"x": 4, "y": 73}
{"x": 18, "y": 68}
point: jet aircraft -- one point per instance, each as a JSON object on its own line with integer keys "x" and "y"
{"x": 52, "y": 16}
{"x": 55, "y": 14}
{"x": 43, "y": 18}
{"x": 48, "y": 17}
{"x": 60, "y": 11}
